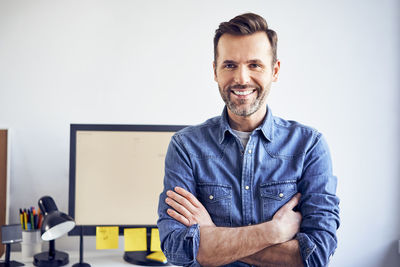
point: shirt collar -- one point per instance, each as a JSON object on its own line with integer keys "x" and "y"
{"x": 266, "y": 127}
{"x": 224, "y": 125}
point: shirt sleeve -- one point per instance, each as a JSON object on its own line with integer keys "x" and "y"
{"x": 179, "y": 243}
{"x": 319, "y": 206}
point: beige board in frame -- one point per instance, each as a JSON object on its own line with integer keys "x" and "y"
{"x": 119, "y": 175}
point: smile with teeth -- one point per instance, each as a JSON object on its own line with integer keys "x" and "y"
{"x": 247, "y": 92}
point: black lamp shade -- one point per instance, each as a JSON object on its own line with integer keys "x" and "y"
{"x": 56, "y": 224}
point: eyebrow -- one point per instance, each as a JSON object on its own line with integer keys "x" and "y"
{"x": 258, "y": 61}
{"x": 229, "y": 62}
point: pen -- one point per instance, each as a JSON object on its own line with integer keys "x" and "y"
{"x": 28, "y": 224}
{"x": 32, "y": 221}
{"x": 35, "y": 218}
{"x": 21, "y": 218}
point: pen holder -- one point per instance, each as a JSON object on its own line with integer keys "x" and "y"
{"x": 31, "y": 244}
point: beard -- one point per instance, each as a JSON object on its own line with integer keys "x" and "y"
{"x": 239, "y": 108}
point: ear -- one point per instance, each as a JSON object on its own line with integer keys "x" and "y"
{"x": 215, "y": 71}
{"x": 277, "y": 67}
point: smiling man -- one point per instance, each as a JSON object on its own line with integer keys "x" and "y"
{"x": 248, "y": 188}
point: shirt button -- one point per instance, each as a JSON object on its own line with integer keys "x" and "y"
{"x": 211, "y": 197}
{"x": 249, "y": 151}
{"x": 280, "y": 195}
{"x": 247, "y": 187}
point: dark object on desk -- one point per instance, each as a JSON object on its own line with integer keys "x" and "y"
{"x": 55, "y": 224}
{"x": 10, "y": 234}
{"x": 141, "y": 257}
{"x": 81, "y": 263}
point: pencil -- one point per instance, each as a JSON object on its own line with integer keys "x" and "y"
{"x": 25, "y": 220}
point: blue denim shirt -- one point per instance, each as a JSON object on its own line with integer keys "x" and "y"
{"x": 246, "y": 185}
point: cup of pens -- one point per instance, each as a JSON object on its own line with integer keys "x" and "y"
{"x": 31, "y": 241}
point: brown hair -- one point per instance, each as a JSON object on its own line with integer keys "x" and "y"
{"x": 246, "y": 24}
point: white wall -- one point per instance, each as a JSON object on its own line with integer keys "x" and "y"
{"x": 149, "y": 62}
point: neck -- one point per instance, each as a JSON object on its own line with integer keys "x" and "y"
{"x": 246, "y": 123}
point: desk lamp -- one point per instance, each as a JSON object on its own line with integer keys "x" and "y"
{"x": 55, "y": 224}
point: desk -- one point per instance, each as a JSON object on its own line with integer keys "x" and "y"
{"x": 100, "y": 258}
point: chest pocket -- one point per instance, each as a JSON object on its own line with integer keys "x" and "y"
{"x": 274, "y": 195}
{"x": 217, "y": 199}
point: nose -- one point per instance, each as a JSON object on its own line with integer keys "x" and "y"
{"x": 242, "y": 76}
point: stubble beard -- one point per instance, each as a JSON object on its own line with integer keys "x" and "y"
{"x": 244, "y": 111}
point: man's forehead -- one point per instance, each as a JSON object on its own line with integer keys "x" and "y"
{"x": 248, "y": 47}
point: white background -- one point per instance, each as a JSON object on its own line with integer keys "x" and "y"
{"x": 150, "y": 62}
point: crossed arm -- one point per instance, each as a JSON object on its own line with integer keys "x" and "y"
{"x": 267, "y": 244}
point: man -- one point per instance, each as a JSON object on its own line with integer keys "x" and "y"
{"x": 248, "y": 188}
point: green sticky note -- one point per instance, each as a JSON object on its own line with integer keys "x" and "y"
{"x": 107, "y": 237}
{"x": 135, "y": 239}
{"x": 155, "y": 240}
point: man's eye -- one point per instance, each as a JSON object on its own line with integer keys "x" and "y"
{"x": 230, "y": 66}
{"x": 254, "y": 66}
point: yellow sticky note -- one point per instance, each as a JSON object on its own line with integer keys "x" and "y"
{"x": 135, "y": 239}
{"x": 157, "y": 256}
{"x": 155, "y": 240}
{"x": 107, "y": 237}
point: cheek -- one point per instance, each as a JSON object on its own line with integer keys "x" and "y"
{"x": 224, "y": 79}
{"x": 262, "y": 80}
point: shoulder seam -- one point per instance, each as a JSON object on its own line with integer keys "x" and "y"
{"x": 297, "y": 125}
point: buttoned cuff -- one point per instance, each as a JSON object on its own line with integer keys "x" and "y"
{"x": 186, "y": 253}
{"x": 306, "y": 247}
{"x": 193, "y": 235}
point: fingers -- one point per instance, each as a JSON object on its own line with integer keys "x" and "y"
{"x": 182, "y": 208}
{"x": 175, "y": 215}
{"x": 176, "y": 206}
{"x": 189, "y": 196}
{"x": 182, "y": 200}
{"x": 294, "y": 201}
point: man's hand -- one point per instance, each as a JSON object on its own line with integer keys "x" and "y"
{"x": 287, "y": 221}
{"x": 186, "y": 208}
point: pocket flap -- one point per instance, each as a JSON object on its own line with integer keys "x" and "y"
{"x": 212, "y": 193}
{"x": 279, "y": 190}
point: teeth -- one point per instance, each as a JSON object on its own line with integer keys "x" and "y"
{"x": 242, "y": 92}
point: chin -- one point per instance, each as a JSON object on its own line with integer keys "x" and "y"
{"x": 242, "y": 112}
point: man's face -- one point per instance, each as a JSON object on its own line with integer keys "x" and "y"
{"x": 244, "y": 73}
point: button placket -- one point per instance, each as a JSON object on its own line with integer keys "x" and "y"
{"x": 247, "y": 174}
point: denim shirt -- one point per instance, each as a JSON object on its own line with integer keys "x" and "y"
{"x": 242, "y": 186}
